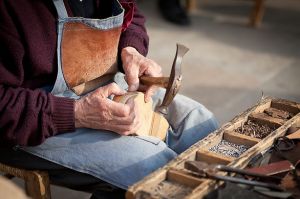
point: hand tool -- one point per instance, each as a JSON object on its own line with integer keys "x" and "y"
{"x": 210, "y": 171}
{"x": 172, "y": 83}
{"x": 273, "y": 168}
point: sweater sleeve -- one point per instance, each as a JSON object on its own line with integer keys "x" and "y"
{"x": 135, "y": 34}
{"x": 27, "y": 117}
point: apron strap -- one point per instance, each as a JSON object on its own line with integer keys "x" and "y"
{"x": 60, "y": 8}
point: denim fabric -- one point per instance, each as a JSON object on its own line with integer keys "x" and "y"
{"x": 124, "y": 160}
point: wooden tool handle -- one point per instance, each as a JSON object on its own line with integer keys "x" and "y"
{"x": 157, "y": 81}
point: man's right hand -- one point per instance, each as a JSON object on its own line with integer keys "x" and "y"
{"x": 96, "y": 111}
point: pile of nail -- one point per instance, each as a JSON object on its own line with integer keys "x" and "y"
{"x": 229, "y": 149}
{"x": 255, "y": 130}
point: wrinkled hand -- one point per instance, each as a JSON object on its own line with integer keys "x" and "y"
{"x": 136, "y": 65}
{"x": 96, "y": 111}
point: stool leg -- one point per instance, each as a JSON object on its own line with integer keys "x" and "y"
{"x": 191, "y": 5}
{"x": 257, "y": 13}
{"x": 37, "y": 185}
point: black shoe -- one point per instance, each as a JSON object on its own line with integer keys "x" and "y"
{"x": 173, "y": 12}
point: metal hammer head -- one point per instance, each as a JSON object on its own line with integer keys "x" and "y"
{"x": 174, "y": 80}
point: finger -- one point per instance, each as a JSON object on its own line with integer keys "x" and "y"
{"x": 134, "y": 127}
{"x": 114, "y": 89}
{"x": 118, "y": 109}
{"x": 110, "y": 89}
{"x": 151, "y": 68}
{"x": 132, "y": 78}
{"x": 150, "y": 92}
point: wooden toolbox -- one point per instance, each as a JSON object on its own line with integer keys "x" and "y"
{"x": 250, "y": 134}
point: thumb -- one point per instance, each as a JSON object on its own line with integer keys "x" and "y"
{"x": 112, "y": 89}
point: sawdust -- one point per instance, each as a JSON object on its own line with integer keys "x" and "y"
{"x": 170, "y": 190}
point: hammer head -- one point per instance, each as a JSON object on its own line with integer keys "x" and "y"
{"x": 174, "y": 80}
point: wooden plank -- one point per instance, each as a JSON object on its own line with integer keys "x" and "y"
{"x": 183, "y": 177}
{"x": 264, "y": 119}
{"x": 285, "y": 105}
{"x": 238, "y": 138}
{"x": 213, "y": 158}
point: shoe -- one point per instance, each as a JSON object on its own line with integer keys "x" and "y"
{"x": 173, "y": 12}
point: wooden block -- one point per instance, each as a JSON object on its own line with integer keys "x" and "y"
{"x": 153, "y": 124}
{"x": 183, "y": 177}
{"x": 159, "y": 126}
{"x": 213, "y": 158}
{"x": 238, "y": 138}
{"x": 264, "y": 119}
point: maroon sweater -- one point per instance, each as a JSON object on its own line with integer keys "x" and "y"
{"x": 29, "y": 115}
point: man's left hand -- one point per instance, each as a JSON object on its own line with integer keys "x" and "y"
{"x": 136, "y": 65}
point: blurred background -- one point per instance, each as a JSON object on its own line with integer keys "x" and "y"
{"x": 230, "y": 63}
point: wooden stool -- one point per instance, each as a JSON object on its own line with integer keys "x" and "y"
{"x": 255, "y": 17}
{"x": 36, "y": 182}
{"x": 191, "y": 5}
{"x": 257, "y": 13}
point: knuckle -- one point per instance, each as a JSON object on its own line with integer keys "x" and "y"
{"x": 125, "y": 111}
{"x": 114, "y": 86}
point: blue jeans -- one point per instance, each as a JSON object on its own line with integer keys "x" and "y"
{"x": 124, "y": 160}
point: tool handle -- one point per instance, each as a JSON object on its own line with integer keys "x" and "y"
{"x": 157, "y": 81}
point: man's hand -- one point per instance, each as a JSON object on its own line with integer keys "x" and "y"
{"x": 96, "y": 111}
{"x": 136, "y": 65}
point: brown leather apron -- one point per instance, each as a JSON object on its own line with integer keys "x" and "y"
{"x": 87, "y": 50}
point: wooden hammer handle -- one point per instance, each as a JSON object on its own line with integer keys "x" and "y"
{"x": 157, "y": 81}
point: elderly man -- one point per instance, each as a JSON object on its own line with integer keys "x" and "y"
{"x": 50, "y": 50}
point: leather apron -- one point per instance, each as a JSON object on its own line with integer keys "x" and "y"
{"x": 86, "y": 50}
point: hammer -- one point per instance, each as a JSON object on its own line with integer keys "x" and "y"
{"x": 172, "y": 83}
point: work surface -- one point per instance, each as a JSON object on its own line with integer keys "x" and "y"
{"x": 229, "y": 64}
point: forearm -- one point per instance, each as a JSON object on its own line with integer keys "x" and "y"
{"x": 28, "y": 117}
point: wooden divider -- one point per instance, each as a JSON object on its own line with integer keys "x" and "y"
{"x": 264, "y": 113}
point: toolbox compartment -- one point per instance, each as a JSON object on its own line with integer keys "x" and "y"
{"x": 277, "y": 114}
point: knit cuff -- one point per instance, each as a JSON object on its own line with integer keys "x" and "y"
{"x": 63, "y": 114}
{"x": 135, "y": 41}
